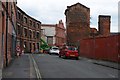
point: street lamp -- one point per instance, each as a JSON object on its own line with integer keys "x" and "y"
{"x": 78, "y": 46}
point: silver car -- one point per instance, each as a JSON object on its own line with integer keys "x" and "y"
{"x": 54, "y": 50}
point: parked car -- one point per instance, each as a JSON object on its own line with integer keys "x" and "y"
{"x": 69, "y": 52}
{"x": 54, "y": 50}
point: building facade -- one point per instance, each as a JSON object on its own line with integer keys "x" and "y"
{"x": 54, "y": 34}
{"x": 98, "y": 44}
{"x": 60, "y": 34}
{"x": 28, "y": 32}
{"x": 77, "y": 23}
{"x": 49, "y": 33}
{"x": 7, "y": 32}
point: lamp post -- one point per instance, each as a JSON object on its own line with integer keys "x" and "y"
{"x": 78, "y": 46}
{"x": 1, "y": 37}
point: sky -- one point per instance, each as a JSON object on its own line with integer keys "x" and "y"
{"x": 51, "y": 11}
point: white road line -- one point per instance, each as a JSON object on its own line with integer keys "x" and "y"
{"x": 111, "y": 75}
{"x": 31, "y": 68}
{"x": 36, "y": 68}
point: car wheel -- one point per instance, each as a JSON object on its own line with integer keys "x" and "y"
{"x": 64, "y": 57}
{"x": 77, "y": 58}
{"x": 60, "y": 56}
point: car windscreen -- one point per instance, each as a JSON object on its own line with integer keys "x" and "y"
{"x": 72, "y": 48}
{"x": 55, "y": 48}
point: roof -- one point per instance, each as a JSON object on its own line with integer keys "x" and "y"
{"x": 27, "y": 14}
{"x": 68, "y": 7}
{"x": 104, "y": 16}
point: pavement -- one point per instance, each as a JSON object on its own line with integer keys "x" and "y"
{"x": 0, "y": 74}
{"x": 109, "y": 64}
{"x": 21, "y": 67}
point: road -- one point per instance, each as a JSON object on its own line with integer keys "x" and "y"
{"x": 51, "y": 66}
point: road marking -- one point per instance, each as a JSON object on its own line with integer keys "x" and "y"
{"x": 90, "y": 60}
{"x": 36, "y": 68}
{"x": 111, "y": 75}
{"x": 31, "y": 68}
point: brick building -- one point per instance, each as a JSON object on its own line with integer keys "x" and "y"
{"x": 78, "y": 24}
{"x": 7, "y": 32}
{"x": 60, "y": 34}
{"x": 28, "y": 32}
{"x": 54, "y": 34}
{"x": 97, "y": 44}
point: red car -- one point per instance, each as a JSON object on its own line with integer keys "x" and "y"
{"x": 69, "y": 52}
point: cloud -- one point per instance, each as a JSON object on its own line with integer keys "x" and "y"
{"x": 51, "y": 11}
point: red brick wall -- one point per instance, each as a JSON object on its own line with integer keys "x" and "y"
{"x": 104, "y": 48}
{"x": 11, "y": 10}
{"x": 9, "y": 47}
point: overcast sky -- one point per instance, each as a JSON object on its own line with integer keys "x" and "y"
{"x": 51, "y": 11}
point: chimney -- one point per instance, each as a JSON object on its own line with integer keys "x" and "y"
{"x": 104, "y": 25}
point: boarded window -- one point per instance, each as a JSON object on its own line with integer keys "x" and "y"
{"x": 50, "y": 39}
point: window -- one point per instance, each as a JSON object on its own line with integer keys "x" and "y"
{"x": 50, "y": 39}
{"x": 34, "y": 35}
{"x": 42, "y": 31}
{"x": 22, "y": 18}
{"x": 21, "y": 30}
{"x": 38, "y": 35}
{"x": 30, "y": 34}
{"x": 37, "y": 45}
{"x": 30, "y": 23}
{"x": 18, "y": 29}
{"x": 25, "y": 32}
{"x": 37, "y": 25}
{"x": 25, "y": 19}
{"x": 33, "y": 24}
{"x": 18, "y": 15}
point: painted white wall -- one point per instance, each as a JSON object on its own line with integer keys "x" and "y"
{"x": 49, "y": 31}
{"x": 53, "y": 40}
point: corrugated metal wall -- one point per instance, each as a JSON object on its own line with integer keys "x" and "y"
{"x": 104, "y": 48}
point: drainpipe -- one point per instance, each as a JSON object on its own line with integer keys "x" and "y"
{"x": 1, "y": 36}
{"x": 6, "y": 33}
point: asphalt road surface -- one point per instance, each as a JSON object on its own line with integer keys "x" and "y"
{"x": 51, "y": 66}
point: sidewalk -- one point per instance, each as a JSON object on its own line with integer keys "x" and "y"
{"x": 113, "y": 65}
{"x": 0, "y": 74}
{"x": 19, "y": 68}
